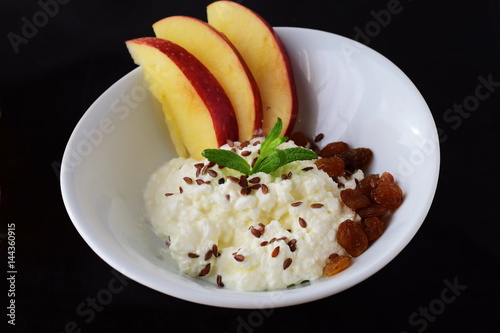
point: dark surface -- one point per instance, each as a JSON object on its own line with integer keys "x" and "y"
{"x": 445, "y": 48}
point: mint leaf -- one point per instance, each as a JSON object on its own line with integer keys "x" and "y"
{"x": 298, "y": 154}
{"x": 228, "y": 159}
{"x": 280, "y": 157}
{"x": 272, "y": 162}
{"x": 268, "y": 146}
{"x": 270, "y": 158}
{"x": 273, "y": 139}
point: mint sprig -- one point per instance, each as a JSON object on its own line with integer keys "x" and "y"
{"x": 270, "y": 158}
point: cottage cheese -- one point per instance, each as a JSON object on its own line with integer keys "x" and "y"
{"x": 195, "y": 217}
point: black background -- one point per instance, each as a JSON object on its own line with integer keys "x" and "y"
{"x": 47, "y": 84}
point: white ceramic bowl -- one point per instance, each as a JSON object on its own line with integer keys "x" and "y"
{"x": 347, "y": 91}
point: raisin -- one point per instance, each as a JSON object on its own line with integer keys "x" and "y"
{"x": 386, "y": 178}
{"x": 356, "y": 158}
{"x": 373, "y": 228}
{"x": 367, "y": 184}
{"x": 352, "y": 238}
{"x": 300, "y": 139}
{"x": 333, "y": 148}
{"x": 333, "y": 166}
{"x": 336, "y": 264}
{"x": 388, "y": 195}
{"x": 373, "y": 210}
{"x": 354, "y": 199}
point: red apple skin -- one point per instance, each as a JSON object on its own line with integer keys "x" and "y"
{"x": 269, "y": 118}
{"x": 246, "y": 130}
{"x": 205, "y": 84}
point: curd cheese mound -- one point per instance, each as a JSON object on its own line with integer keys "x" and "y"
{"x": 255, "y": 233}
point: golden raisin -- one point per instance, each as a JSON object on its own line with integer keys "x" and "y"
{"x": 367, "y": 184}
{"x": 386, "y": 177}
{"x": 388, "y": 195}
{"x": 356, "y": 158}
{"x": 352, "y": 238}
{"x": 354, "y": 198}
{"x": 373, "y": 210}
{"x": 333, "y": 166}
{"x": 336, "y": 264}
{"x": 300, "y": 139}
{"x": 333, "y": 148}
{"x": 373, "y": 228}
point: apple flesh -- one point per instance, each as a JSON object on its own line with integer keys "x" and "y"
{"x": 219, "y": 55}
{"x": 265, "y": 55}
{"x": 198, "y": 112}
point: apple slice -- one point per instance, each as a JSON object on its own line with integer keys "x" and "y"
{"x": 265, "y": 55}
{"x": 197, "y": 109}
{"x": 219, "y": 55}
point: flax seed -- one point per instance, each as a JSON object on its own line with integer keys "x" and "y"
{"x": 228, "y": 197}
{"x": 198, "y": 167}
{"x": 208, "y": 255}
{"x": 256, "y": 143}
{"x": 230, "y": 143}
{"x": 319, "y": 137}
{"x": 205, "y": 270}
{"x": 204, "y": 170}
{"x": 244, "y": 144}
{"x": 212, "y": 173}
{"x": 302, "y": 222}
{"x": 275, "y": 252}
{"x": 255, "y": 186}
{"x": 243, "y": 182}
{"x": 245, "y": 153}
{"x": 316, "y": 205}
{"x": 296, "y": 204}
{"x": 265, "y": 189}
{"x": 211, "y": 164}
{"x": 233, "y": 179}
{"x": 254, "y": 180}
{"x": 264, "y": 243}
{"x": 307, "y": 168}
{"x": 215, "y": 250}
{"x": 239, "y": 257}
{"x": 255, "y": 232}
{"x": 180, "y": 190}
{"x": 200, "y": 181}
{"x": 245, "y": 191}
{"x": 254, "y": 161}
{"x": 168, "y": 194}
{"x": 219, "y": 281}
{"x": 287, "y": 263}
{"x": 192, "y": 255}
